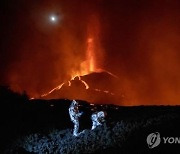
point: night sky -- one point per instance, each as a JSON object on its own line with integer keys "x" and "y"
{"x": 139, "y": 40}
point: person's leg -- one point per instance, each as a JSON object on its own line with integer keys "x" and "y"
{"x": 76, "y": 127}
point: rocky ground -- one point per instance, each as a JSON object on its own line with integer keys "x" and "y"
{"x": 40, "y": 126}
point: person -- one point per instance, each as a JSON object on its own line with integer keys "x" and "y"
{"x": 75, "y": 115}
{"x": 97, "y": 119}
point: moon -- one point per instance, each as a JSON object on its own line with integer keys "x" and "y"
{"x": 53, "y": 18}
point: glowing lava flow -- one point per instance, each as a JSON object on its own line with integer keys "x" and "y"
{"x": 69, "y": 84}
{"x": 57, "y": 88}
{"x": 82, "y": 81}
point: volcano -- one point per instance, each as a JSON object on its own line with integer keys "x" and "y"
{"x": 95, "y": 87}
{"x": 87, "y": 80}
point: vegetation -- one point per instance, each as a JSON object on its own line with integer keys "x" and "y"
{"x": 40, "y": 126}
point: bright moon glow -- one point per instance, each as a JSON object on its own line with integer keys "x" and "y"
{"x": 53, "y": 18}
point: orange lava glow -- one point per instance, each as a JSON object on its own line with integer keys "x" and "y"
{"x": 89, "y": 64}
{"x": 93, "y": 49}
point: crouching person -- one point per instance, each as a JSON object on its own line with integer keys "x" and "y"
{"x": 75, "y": 115}
{"x": 97, "y": 119}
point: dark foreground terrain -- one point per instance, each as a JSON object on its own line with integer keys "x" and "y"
{"x": 41, "y": 126}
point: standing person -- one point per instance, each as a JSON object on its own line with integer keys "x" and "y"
{"x": 74, "y": 115}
